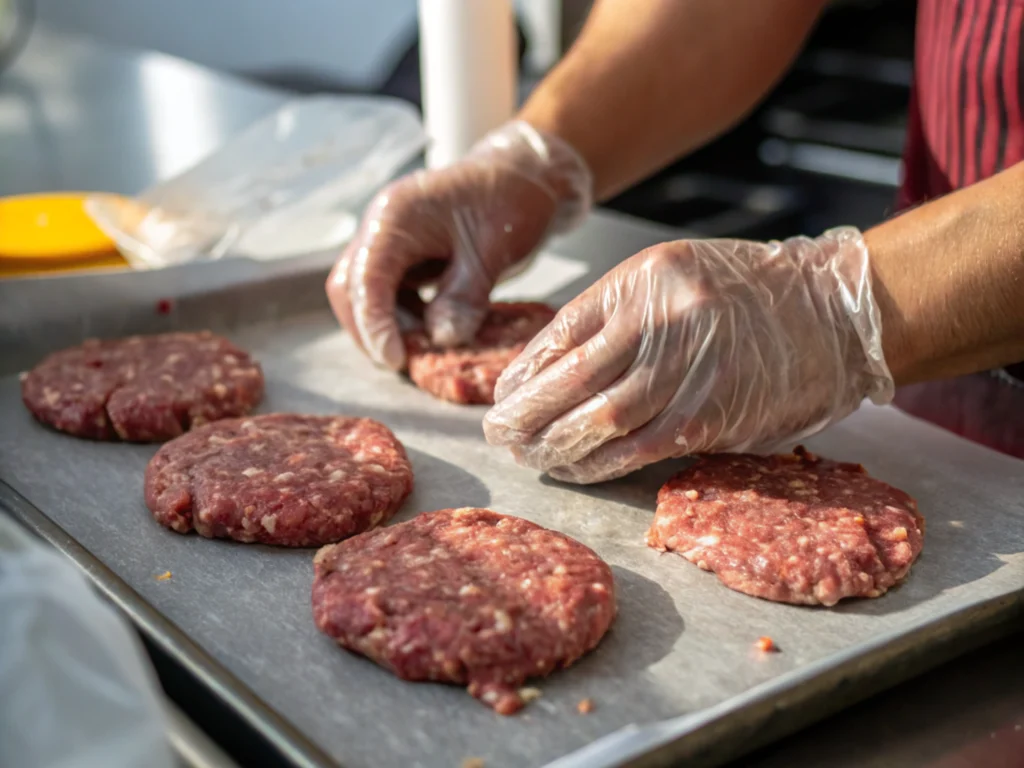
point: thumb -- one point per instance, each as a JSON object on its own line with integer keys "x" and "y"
{"x": 461, "y": 304}
{"x": 463, "y": 297}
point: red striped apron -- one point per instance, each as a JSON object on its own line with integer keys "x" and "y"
{"x": 966, "y": 123}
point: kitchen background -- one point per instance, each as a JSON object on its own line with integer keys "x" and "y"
{"x": 822, "y": 150}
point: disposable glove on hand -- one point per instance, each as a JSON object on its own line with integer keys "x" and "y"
{"x": 479, "y": 217}
{"x": 696, "y": 346}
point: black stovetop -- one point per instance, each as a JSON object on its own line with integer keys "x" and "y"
{"x": 822, "y": 150}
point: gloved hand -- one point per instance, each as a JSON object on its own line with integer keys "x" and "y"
{"x": 479, "y": 216}
{"x": 696, "y": 346}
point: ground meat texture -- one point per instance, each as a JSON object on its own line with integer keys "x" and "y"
{"x": 284, "y": 479}
{"x": 794, "y": 528}
{"x": 143, "y": 388}
{"x": 465, "y": 596}
{"x": 467, "y": 375}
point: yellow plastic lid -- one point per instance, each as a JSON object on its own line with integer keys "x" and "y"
{"x": 51, "y": 232}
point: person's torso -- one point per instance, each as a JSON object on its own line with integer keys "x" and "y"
{"x": 966, "y": 123}
{"x": 966, "y": 117}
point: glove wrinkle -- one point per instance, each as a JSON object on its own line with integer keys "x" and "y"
{"x": 706, "y": 346}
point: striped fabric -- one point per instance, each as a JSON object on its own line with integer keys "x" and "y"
{"x": 965, "y": 120}
{"x": 966, "y": 123}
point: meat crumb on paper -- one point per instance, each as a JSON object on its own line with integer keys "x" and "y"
{"x": 529, "y": 694}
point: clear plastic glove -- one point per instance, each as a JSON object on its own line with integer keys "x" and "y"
{"x": 696, "y": 346}
{"x": 478, "y": 217}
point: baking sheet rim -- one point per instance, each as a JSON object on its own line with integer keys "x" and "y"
{"x": 625, "y": 747}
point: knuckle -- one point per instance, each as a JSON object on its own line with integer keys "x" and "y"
{"x": 560, "y": 334}
{"x": 669, "y": 255}
{"x": 385, "y": 198}
{"x": 398, "y": 200}
{"x": 580, "y": 373}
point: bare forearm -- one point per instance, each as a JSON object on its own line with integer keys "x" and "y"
{"x": 949, "y": 280}
{"x": 650, "y": 80}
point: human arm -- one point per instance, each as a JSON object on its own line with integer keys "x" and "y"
{"x": 718, "y": 346}
{"x": 949, "y": 279}
{"x": 646, "y": 81}
{"x": 649, "y": 80}
{"x": 462, "y": 227}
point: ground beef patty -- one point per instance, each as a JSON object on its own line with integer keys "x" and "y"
{"x": 468, "y": 374}
{"x": 295, "y": 481}
{"x": 793, "y": 528}
{"x": 465, "y": 596}
{"x": 143, "y": 388}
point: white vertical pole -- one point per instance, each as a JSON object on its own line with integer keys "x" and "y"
{"x": 468, "y": 72}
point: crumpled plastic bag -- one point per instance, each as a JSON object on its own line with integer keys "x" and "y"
{"x": 289, "y": 184}
{"x": 76, "y": 689}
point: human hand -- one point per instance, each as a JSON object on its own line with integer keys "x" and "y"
{"x": 696, "y": 346}
{"x": 478, "y": 217}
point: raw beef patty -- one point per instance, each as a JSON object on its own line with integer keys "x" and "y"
{"x": 285, "y": 479}
{"x": 795, "y": 528}
{"x": 468, "y": 374}
{"x": 143, "y": 388}
{"x": 465, "y": 596}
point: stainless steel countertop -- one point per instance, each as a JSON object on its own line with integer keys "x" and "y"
{"x": 77, "y": 115}
{"x": 74, "y": 116}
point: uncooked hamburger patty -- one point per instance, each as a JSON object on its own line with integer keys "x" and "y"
{"x": 467, "y": 375}
{"x": 285, "y": 479}
{"x": 465, "y": 596}
{"x": 795, "y": 528}
{"x": 143, "y": 388}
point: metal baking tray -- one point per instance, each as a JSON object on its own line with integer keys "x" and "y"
{"x": 676, "y": 678}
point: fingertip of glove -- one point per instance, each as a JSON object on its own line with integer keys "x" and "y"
{"x": 562, "y": 474}
{"x": 499, "y": 433}
{"x": 577, "y": 475}
{"x": 444, "y": 333}
{"x": 392, "y": 353}
{"x": 449, "y": 327}
{"x": 501, "y": 390}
